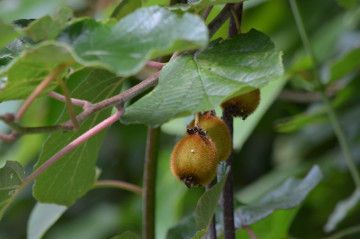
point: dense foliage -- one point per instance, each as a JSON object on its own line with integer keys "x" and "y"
{"x": 70, "y": 69}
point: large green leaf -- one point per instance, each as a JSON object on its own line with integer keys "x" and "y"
{"x": 345, "y": 65}
{"x": 7, "y": 33}
{"x": 42, "y": 217}
{"x": 11, "y": 176}
{"x": 207, "y": 204}
{"x": 74, "y": 174}
{"x": 193, "y": 83}
{"x": 125, "y": 47}
{"x": 30, "y": 68}
{"x": 288, "y": 195}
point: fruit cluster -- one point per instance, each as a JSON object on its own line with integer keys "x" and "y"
{"x": 195, "y": 158}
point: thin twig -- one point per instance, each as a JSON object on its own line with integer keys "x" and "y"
{"x": 331, "y": 113}
{"x": 155, "y": 64}
{"x": 118, "y": 184}
{"x": 345, "y": 232}
{"x": 90, "y": 109}
{"x": 76, "y": 142}
{"x": 37, "y": 91}
{"x": 81, "y": 103}
{"x": 149, "y": 184}
{"x": 69, "y": 104}
{"x": 207, "y": 12}
{"x": 117, "y": 99}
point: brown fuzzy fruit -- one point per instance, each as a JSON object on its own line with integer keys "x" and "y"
{"x": 218, "y": 131}
{"x": 242, "y": 105}
{"x": 194, "y": 160}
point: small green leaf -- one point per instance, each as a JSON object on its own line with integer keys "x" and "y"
{"x": 42, "y": 217}
{"x": 10, "y": 51}
{"x": 7, "y": 33}
{"x": 341, "y": 210}
{"x": 127, "y": 235}
{"x": 207, "y": 204}
{"x": 47, "y": 28}
{"x": 193, "y": 83}
{"x": 11, "y": 176}
{"x": 288, "y": 195}
{"x": 345, "y": 65}
{"x": 74, "y": 174}
{"x": 125, "y": 47}
{"x": 24, "y": 74}
{"x": 125, "y": 7}
{"x": 199, "y": 234}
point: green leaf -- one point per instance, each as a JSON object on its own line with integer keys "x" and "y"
{"x": 341, "y": 210}
{"x": 199, "y": 234}
{"x": 348, "y": 3}
{"x": 190, "y": 84}
{"x": 42, "y": 217}
{"x": 184, "y": 229}
{"x": 30, "y": 68}
{"x": 47, "y": 28}
{"x": 11, "y": 176}
{"x": 125, "y": 47}
{"x": 274, "y": 226}
{"x": 288, "y": 195}
{"x": 345, "y": 65}
{"x": 127, "y": 235}
{"x": 7, "y": 33}
{"x": 125, "y": 7}
{"x": 10, "y": 51}
{"x": 74, "y": 174}
{"x": 207, "y": 204}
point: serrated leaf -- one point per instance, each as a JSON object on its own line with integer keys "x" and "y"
{"x": 288, "y": 195}
{"x": 125, "y": 7}
{"x": 11, "y": 176}
{"x": 42, "y": 217}
{"x": 10, "y": 51}
{"x": 7, "y": 33}
{"x": 127, "y": 235}
{"x": 74, "y": 174}
{"x": 341, "y": 210}
{"x": 190, "y": 84}
{"x": 207, "y": 204}
{"x": 47, "y": 28}
{"x": 30, "y": 68}
{"x": 125, "y": 47}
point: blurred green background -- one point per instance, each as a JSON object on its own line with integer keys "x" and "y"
{"x": 290, "y": 136}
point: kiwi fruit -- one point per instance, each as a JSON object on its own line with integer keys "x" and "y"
{"x": 194, "y": 159}
{"x": 217, "y": 131}
{"x": 242, "y": 105}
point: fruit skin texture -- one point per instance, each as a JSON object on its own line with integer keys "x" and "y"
{"x": 194, "y": 160}
{"x": 218, "y": 132}
{"x": 242, "y": 105}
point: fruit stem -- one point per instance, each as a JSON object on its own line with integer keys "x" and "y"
{"x": 331, "y": 113}
{"x": 149, "y": 183}
{"x": 197, "y": 119}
